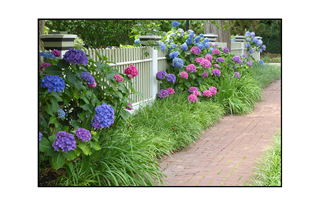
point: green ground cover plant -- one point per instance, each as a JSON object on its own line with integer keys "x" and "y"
{"x": 266, "y": 74}
{"x": 268, "y": 170}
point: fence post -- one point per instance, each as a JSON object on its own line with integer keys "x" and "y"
{"x": 154, "y": 69}
{"x": 242, "y": 48}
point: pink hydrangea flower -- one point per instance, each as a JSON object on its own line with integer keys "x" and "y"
{"x": 205, "y": 63}
{"x": 92, "y": 85}
{"x": 207, "y": 93}
{"x": 197, "y": 93}
{"x": 196, "y": 50}
{"x": 193, "y": 89}
{"x": 213, "y": 90}
{"x": 209, "y": 57}
{"x": 199, "y": 59}
{"x": 211, "y": 43}
{"x": 170, "y": 90}
{"x": 205, "y": 74}
{"x": 191, "y": 68}
{"x": 216, "y": 65}
{"x": 184, "y": 75}
{"x": 128, "y": 108}
{"x": 118, "y": 78}
{"x": 192, "y": 98}
{"x": 131, "y": 71}
{"x": 215, "y": 51}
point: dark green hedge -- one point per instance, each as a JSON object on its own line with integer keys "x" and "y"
{"x": 96, "y": 33}
{"x": 273, "y": 44}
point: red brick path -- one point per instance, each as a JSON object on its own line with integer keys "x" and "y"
{"x": 226, "y": 153}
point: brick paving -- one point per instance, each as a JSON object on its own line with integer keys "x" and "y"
{"x": 226, "y": 153}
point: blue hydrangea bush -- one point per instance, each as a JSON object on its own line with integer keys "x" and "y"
{"x": 80, "y": 101}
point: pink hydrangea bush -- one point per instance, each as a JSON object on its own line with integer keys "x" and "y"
{"x": 184, "y": 75}
{"x": 207, "y": 93}
{"x": 213, "y": 90}
{"x": 192, "y": 98}
{"x": 131, "y": 71}
{"x": 171, "y": 91}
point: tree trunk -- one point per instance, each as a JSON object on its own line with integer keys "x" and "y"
{"x": 41, "y": 31}
{"x": 223, "y": 35}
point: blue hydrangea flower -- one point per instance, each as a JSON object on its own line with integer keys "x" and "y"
{"x": 191, "y": 33}
{"x": 173, "y": 45}
{"x": 189, "y": 40}
{"x": 263, "y": 47}
{"x": 65, "y": 141}
{"x": 174, "y": 54}
{"x": 206, "y": 40}
{"x": 173, "y": 34}
{"x": 171, "y": 78}
{"x": 197, "y": 39}
{"x": 254, "y": 40}
{"x": 76, "y": 57}
{"x": 175, "y": 23}
{"x": 53, "y": 83}
{"x": 83, "y": 134}
{"x": 177, "y": 63}
{"x": 248, "y": 39}
{"x": 201, "y": 35}
{"x": 261, "y": 61}
{"x": 247, "y": 45}
{"x": 184, "y": 47}
{"x": 104, "y": 116}
{"x": 87, "y": 77}
{"x": 260, "y": 42}
{"x": 251, "y": 51}
{"x": 47, "y": 55}
{"x": 162, "y": 46}
{"x": 260, "y": 50}
{"x": 61, "y": 113}
{"x": 200, "y": 45}
{"x": 164, "y": 33}
{"x": 252, "y": 34}
{"x": 232, "y": 40}
{"x": 245, "y": 56}
{"x": 247, "y": 34}
{"x": 137, "y": 41}
{"x": 40, "y": 136}
{"x": 168, "y": 40}
{"x": 161, "y": 74}
{"x": 207, "y": 45}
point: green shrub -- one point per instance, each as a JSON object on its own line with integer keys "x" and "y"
{"x": 266, "y": 59}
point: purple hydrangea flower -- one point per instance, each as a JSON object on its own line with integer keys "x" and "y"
{"x": 44, "y": 65}
{"x": 260, "y": 42}
{"x": 87, "y": 77}
{"x": 177, "y": 62}
{"x": 191, "y": 68}
{"x": 83, "y": 134}
{"x": 220, "y": 59}
{"x": 237, "y": 74}
{"x": 76, "y": 57}
{"x": 161, "y": 74}
{"x": 237, "y": 59}
{"x": 249, "y": 63}
{"x": 56, "y": 53}
{"x": 104, "y": 116}
{"x": 205, "y": 74}
{"x": 40, "y": 136}
{"x": 216, "y": 72}
{"x": 163, "y": 93}
{"x": 245, "y": 56}
{"x": 225, "y": 50}
{"x": 53, "y": 83}
{"x": 65, "y": 141}
{"x": 195, "y": 50}
{"x": 128, "y": 108}
{"x": 47, "y": 55}
{"x": 171, "y": 78}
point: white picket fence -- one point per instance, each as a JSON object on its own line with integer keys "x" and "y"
{"x": 148, "y": 66}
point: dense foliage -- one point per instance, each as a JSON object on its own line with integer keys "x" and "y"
{"x": 96, "y": 33}
{"x": 81, "y": 103}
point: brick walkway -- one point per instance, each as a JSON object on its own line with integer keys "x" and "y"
{"x": 226, "y": 153}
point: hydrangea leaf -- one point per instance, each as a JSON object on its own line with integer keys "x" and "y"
{"x": 54, "y": 105}
{"x": 63, "y": 63}
{"x": 88, "y": 107}
{"x": 124, "y": 114}
{"x": 70, "y": 155}
{"x": 44, "y": 145}
{"x": 84, "y": 147}
{"x": 57, "y": 162}
{"x": 55, "y": 95}
{"x": 95, "y": 145}
{"x": 53, "y": 70}
{"x": 51, "y": 152}
{"x": 52, "y": 138}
